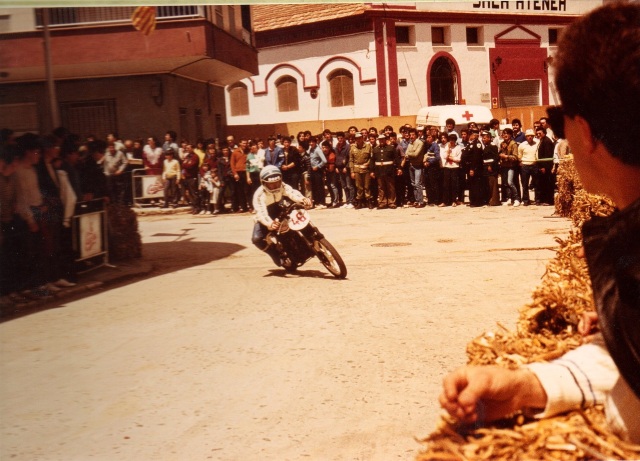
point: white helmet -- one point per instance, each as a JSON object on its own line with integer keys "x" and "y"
{"x": 271, "y": 179}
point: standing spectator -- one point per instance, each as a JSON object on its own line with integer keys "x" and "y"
{"x": 518, "y": 134}
{"x": 261, "y": 153}
{"x": 527, "y": 156}
{"x": 544, "y": 165}
{"x": 331, "y": 177}
{"x": 317, "y": 162}
{"x": 560, "y": 152}
{"x": 432, "y": 165}
{"x": 12, "y": 240}
{"x": 547, "y": 129}
{"x": 189, "y": 175}
{"x": 238, "y": 163}
{"x": 305, "y": 162}
{"x": 473, "y": 166}
{"x": 170, "y": 142}
{"x": 342, "y": 170}
{"x": 199, "y": 151}
{"x": 399, "y": 176}
{"x": 153, "y": 156}
{"x": 360, "y": 167}
{"x": 291, "y": 166}
{"x": 231, "y": 143}
{"x": 171, "y": 176}
{"x": 253, "y": 170}
{"x": 228, "y": 184}
{"x": 93, "y": 182}
{"x": 415, "y": 156}
{"x": 450, "y": 156}
{"x": 386, "y": 164}
{"x": 273, "y": 155}
{"x": 509, "y": 169}
{"x": 490, "y": 165}
{"x": 115, "y": 164}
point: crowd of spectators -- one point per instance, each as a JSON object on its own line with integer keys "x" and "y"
{"x": 44, "y": 176}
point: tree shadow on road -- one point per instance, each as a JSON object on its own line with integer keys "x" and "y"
{"x": 158, "y": 259}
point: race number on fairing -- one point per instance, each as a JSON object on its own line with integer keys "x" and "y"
{"x": 298, "y": 219}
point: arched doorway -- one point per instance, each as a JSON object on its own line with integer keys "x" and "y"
{"x": 443, "y": 82}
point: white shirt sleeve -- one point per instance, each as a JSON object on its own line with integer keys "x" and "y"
{"x": 581, "y": 378}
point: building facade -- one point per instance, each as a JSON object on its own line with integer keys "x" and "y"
{"x": 357, "y": 61}
{"x": 107, "y": 76}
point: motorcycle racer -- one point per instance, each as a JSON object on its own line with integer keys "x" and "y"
{"x": 265, "y": 204}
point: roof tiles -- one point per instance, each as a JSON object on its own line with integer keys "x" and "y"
{"x": 274, "y": 16}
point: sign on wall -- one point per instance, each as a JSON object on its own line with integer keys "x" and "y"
{"x": 569, "y": 7}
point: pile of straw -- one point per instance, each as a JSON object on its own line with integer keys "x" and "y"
{"x": 546, "y": 329}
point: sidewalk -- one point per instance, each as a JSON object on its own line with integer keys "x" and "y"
{"x": 88, "y": 281}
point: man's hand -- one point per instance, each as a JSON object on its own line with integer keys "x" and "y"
{"x": 307, "y": 203}
{"x": 275, "y": 225}
{"x": 487, "y": 393}
{"x": 588, "y": 325}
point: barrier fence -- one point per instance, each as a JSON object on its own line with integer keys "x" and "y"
{"x": 90, "y": 235}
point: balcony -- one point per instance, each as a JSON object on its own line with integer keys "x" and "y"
{"x": 82, "y": 16}
{"x": 98, "y": 42}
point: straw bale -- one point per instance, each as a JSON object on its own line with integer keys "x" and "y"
{"x": 546, "y": 329}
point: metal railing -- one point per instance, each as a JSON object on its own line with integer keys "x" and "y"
{"x": 73, "y": 16}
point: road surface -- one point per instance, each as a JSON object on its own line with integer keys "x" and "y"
{"x": 219, "y": 355}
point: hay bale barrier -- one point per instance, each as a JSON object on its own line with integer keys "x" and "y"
{"x": 546, "y": 329}
{"x": 125, "y": 242}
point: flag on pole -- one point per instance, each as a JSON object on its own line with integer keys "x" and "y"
{"x": 144, "y": 19}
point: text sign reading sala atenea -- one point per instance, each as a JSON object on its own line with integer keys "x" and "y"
{"x": 560, "y": 7}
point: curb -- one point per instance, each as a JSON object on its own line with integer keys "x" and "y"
{"x": 90, "y": 281}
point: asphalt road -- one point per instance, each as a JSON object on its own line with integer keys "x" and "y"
{"x": 219, "y": 355}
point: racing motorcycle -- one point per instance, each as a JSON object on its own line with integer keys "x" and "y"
{"x": 298, "y": 240}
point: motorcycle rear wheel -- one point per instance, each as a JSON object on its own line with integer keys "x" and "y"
{"x": 330, "y": 258}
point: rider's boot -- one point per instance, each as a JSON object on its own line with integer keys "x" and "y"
{"x": 272, "y": 251}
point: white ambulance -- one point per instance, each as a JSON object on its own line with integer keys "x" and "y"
{"x": 462, "y": 114}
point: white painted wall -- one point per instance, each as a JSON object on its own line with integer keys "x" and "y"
{"x": 413, "y": 61}
{"x": 308, "y": 58}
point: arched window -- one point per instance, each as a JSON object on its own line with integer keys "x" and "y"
{"x": 443, "y": 82}
{"x": 287, "y": 88}
{"x": 239, "y": 99}
{"x": 341, "y": 85}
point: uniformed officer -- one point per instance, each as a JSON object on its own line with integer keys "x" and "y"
{"x": 360, "y": 158}
{"x": 386, "y": 164}
{"x": 472, "y": 162}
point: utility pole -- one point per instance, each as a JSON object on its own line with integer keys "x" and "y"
{"x": 51, "y": 86}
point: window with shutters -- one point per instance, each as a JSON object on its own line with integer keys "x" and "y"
{"x": 518, "y": 93}
{"x": 287, "y": 89}
{"x": 439, "y": 35}
{"x": 341, "y": 85}
{"x": 239, "y": 99}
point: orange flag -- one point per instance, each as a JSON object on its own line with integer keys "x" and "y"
{"x": 144, "y": 19}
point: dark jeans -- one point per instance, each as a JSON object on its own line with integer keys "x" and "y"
{"x": 170, "y": 191}
{"x": 434, "y": 179}
{"x": 240, "y": 201}
{"x": 347, "y": 185}
{"x": 527, "y": 173}
{"x": 317, "y": 186}
{"x": 450, "y": 186}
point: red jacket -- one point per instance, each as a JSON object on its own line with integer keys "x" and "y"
{"x": 238, "y": 161}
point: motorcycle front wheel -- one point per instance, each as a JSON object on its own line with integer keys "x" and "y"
{"x": 330, "y": 258}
